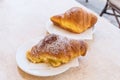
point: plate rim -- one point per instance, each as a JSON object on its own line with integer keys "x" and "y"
{"x": 29, "y": 72}
{"x": 48, "y": 23}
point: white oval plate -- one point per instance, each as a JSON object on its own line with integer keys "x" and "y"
{"x": 40, "y": 69}
{"x": 86, "y": 35}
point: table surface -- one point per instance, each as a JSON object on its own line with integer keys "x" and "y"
{"x": 23, "y": 20}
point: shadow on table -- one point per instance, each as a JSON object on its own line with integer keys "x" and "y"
{"x": 63, "y": 76}
{"x": 29, "y": 76}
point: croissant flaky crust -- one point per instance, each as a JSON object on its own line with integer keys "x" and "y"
{"x": 76, "y": 20}
{"x": 56, "y": 50}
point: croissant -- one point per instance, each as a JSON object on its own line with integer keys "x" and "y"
{"x": 75, "y": 20}
{"x": 56, "y": 50}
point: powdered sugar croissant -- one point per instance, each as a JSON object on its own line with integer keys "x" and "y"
{"x": 76, "y": 20}
{"x": 56, "y": 50}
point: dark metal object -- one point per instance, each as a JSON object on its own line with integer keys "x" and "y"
{"x": 115, "y": 10}
{"x": 86, "y": 1}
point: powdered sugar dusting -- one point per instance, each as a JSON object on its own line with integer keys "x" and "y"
{"x": 53, "y": 44}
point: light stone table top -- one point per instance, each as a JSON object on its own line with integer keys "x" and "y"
{"x": 23, "y": 20}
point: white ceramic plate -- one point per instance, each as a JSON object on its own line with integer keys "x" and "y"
{"x": 40, "y": 69}
{"x": 87, "y": 35}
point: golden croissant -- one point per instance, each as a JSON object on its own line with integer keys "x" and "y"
{"x": 56, "y": 50}
{"x": 76, "y": 20}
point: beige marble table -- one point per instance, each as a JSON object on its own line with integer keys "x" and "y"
{"x": 23, "y": 20}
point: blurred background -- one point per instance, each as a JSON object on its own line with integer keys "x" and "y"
{"x": 97, "y": 6}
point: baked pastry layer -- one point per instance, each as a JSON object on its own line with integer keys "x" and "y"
{"x": 75, "y": 20}
{"x": 56, "y": 50}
